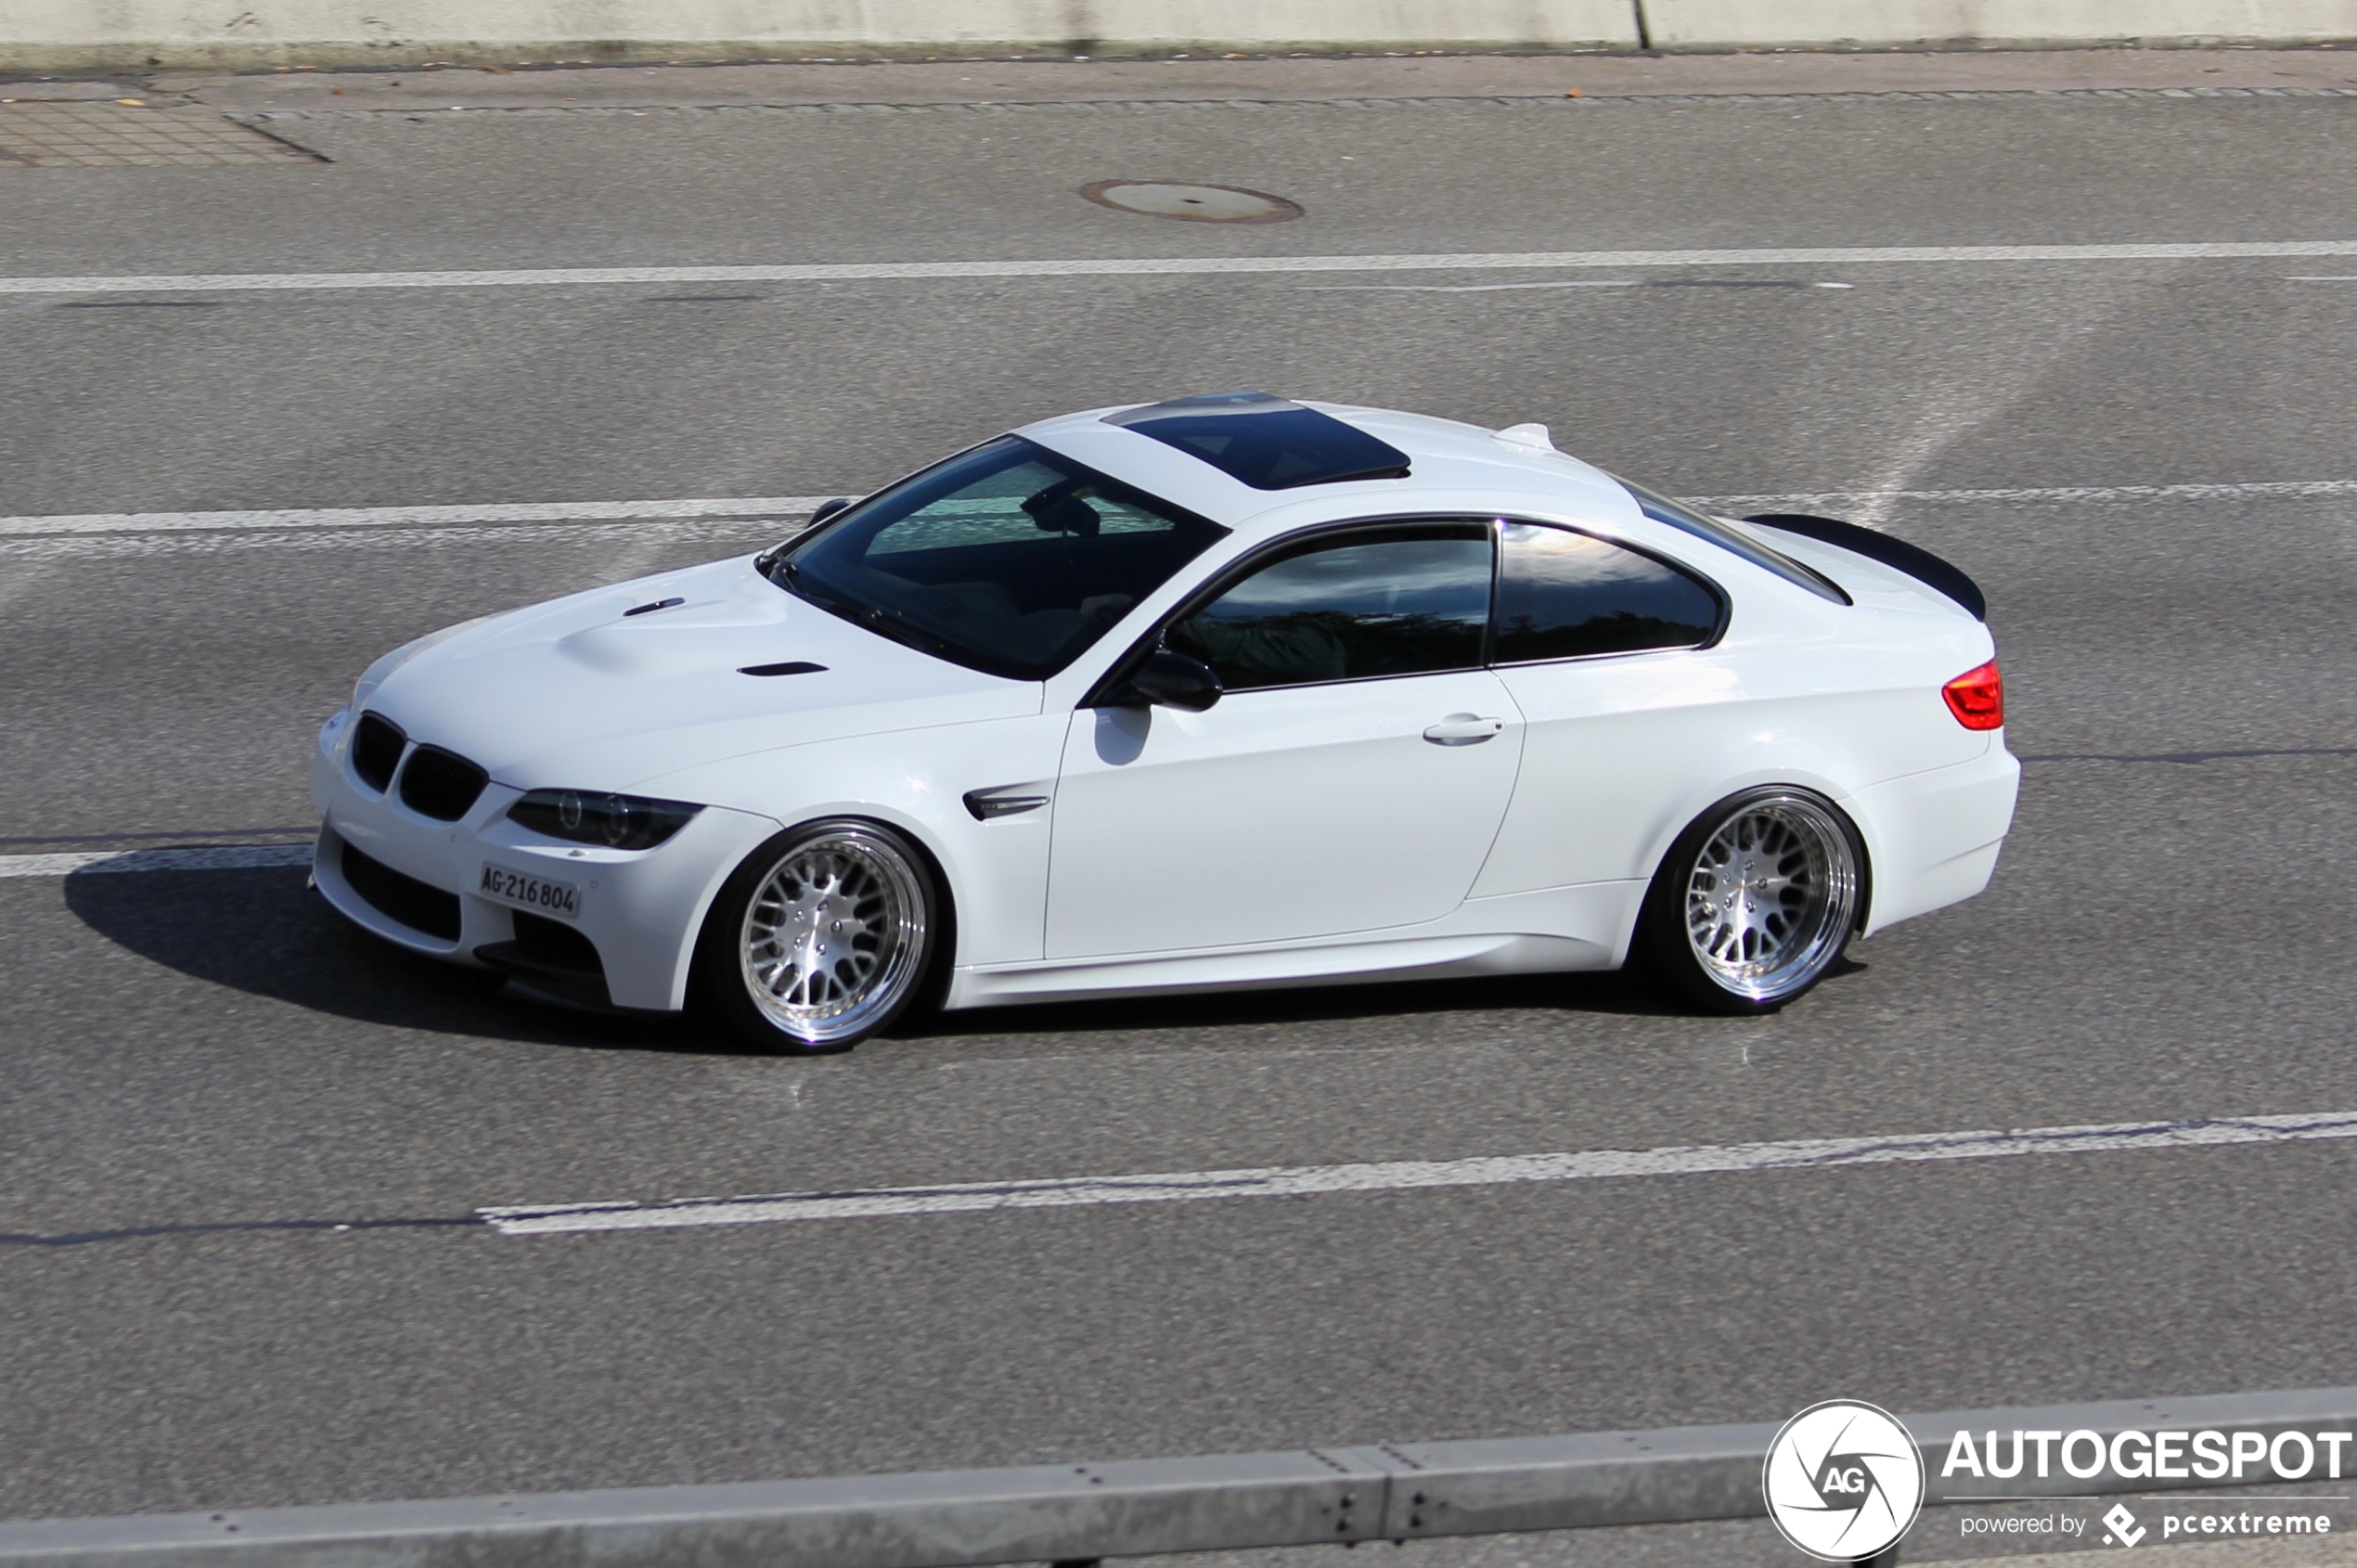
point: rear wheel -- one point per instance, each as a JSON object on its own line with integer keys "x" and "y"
{"x": 1755, "y": 901}
{"x": 821, "y": 938}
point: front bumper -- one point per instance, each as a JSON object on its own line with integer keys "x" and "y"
{"x": 640, "y": 910}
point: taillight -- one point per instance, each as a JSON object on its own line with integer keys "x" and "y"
{"x": 1978, "y": 698}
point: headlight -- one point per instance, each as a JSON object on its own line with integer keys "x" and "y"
{"x": 588, "y": 817}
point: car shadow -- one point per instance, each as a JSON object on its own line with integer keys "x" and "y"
{"x": 264, "y": 932}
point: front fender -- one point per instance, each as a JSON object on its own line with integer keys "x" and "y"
{"x": 916, "y": 782}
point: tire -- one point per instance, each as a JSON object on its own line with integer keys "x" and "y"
{"x": 1755, "y": 902}
{"x": 823, "y": 937}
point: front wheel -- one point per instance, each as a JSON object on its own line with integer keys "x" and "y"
{"x": 821, "y": 939}
{"x": 1755, "y": 901}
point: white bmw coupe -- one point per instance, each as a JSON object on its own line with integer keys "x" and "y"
{"x": 1216, "y": 693}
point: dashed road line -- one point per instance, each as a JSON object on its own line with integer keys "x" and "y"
{"x": 1417, "y": 1175}
{"x": 1793, "y": 1156}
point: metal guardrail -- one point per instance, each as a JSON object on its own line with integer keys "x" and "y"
{"x": 1047, "y": 1513}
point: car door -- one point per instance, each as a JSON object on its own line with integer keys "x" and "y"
{"x": 1351, "y": 778}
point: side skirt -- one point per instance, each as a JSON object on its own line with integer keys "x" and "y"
{"x": 1560, "y": 929}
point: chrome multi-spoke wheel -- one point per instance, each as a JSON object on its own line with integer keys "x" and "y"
{"x": 1757, "y": 900}
{"x": 830, "y": 936}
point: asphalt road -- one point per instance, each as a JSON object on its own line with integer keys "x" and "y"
{"x": 190, "y": 1060}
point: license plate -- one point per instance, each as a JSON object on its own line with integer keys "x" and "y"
{"x": 527, "y": 892}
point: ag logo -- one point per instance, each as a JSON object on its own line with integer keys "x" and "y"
{"x": 1843, "y": 1480}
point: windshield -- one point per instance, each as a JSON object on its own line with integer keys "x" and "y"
{"x": 1007, "y": 558}
{"x": 1661, "y": 508}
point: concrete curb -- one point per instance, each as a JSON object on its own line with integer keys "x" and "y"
{"x": 75, "y": 35}
{"x": 966, "y": 84}
{"x": 967, "y": 1519}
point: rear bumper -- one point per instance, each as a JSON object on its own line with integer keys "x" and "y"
{"x": 639, "y": 910}
{"x": 1933, "y": 838}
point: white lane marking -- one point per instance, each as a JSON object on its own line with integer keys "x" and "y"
{"x": 415, "y": 517}
{"x": 1410, "y": 1174}
{"x": 217, "y": 857}
{"x": 29, "y": 538}
{"x": 419, "y": 524}
{"x": 735, "y": 533}
{"x": 2273, "y": 489}
{"x": 1467, "y": 288}
{"x": 1504, "y": 288}
{"x": 2333, "y": 278}
{"x": 1150, "y": 266}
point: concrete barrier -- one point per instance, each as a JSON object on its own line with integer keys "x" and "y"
{"x": 114, "y": 34}
{"x": 133, "y": 35}
{"x": 1738, "y": 24}
{"x": 1050, "y": 1513}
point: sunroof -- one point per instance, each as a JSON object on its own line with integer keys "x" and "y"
{"x": 1267, "y": 442}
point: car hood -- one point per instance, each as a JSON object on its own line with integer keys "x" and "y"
{"x": 579, "y": 693}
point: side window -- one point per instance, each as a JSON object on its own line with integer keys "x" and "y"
{"x": 1563, "y": 594}
{"x": 1398, "y": 601}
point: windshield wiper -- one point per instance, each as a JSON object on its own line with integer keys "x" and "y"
{"x": 901, "y": 629}
{"x": 884, "y": 622}
{"x": 789, "y": 576}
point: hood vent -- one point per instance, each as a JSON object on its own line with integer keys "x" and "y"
{"x": 441, "y": 784}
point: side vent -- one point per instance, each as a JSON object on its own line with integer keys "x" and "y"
{"x": 552, "y": 959}
{"x": 554, "y": 944}
{"x": 441, "y": 784}
{"x": 377, "y": 745}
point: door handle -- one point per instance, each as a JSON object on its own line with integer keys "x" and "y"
{"x": 1464, "y": 729}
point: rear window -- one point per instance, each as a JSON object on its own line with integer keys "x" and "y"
{"x": 1565, "y": 595}
{"x": 1661, "y": 508}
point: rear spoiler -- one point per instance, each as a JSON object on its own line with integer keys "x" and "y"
{"x": 1920, "y": 564}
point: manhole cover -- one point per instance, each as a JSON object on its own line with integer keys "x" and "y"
{"x": 1198, "y": 204}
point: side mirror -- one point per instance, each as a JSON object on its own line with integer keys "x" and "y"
{"x": 1169, "y": 680}
{"x": 827, "y": 509}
